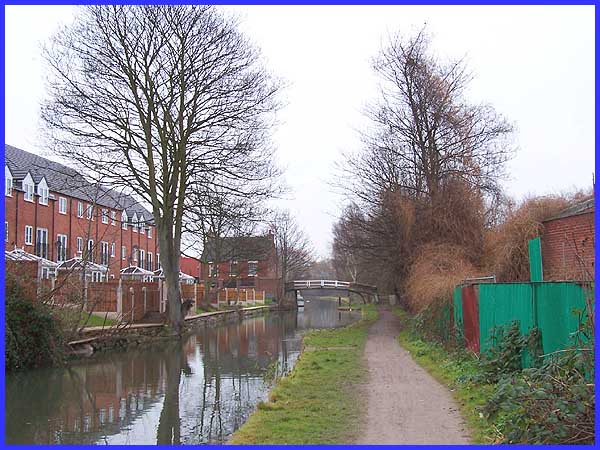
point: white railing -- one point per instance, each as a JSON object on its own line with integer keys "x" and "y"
{"x": 320, "y": 284}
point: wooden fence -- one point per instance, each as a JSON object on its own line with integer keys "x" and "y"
{"x": 243, "y": 296}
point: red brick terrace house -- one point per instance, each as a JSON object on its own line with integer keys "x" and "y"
{"x": 241, "y": 262}
{"x": 190, "y": 266}
{"x": 568, "y": 244}
{"x": 52, "y": 211}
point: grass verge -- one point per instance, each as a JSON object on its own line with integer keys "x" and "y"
{"x": 319, "y": 401}
{"x": 456, "y": 370}
{"x": 95, "y": 321}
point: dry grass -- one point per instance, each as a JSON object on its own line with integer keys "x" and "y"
{"x": 435, "y": 272}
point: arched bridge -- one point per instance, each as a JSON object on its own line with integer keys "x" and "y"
{"x": 364, "y": 290}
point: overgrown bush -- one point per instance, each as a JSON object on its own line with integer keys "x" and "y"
{"x": 552, "y": 404}
{"x": 33, "y": 337}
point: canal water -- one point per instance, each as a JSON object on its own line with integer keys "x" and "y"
{"x": 192, "y": 392}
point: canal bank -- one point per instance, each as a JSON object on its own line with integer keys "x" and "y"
{"x": 195, "y": 390}
{"x": 319, "y": 401}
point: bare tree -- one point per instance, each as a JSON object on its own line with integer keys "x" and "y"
{"x": 294, "y": 253}
{"x": 161, "y": 99}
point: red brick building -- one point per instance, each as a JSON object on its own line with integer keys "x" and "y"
{"x": 190, "y": 266}
{"x": 52, "y": 211}
{"x": 241, "y": 262}
{"x": 568, "y": 244}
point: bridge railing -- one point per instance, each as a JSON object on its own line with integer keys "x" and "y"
{"x": 316, "y": 284}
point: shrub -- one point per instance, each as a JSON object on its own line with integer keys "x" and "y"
{"x": 33, "y": 337}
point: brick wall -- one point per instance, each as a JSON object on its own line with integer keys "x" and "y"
{"x": 568, "y": 248}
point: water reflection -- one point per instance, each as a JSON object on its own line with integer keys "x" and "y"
{"x": 194, "y": 392}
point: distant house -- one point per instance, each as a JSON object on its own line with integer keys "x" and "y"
{"x": 568, "y": 244}
{"x": 241, "y": 262}
{"x": 190, "y": 266}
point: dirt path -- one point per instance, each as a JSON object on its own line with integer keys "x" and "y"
{"x": 405, "y": 405}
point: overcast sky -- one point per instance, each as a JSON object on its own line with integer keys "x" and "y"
{"x": 534, "y": 64}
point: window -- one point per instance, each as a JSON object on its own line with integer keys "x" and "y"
{"x": 142, "y": 225}
{"x": 233, "y": 268}
{"x": 89, "y": 211}
{"x": 28, "y": 187}
{"x": 28, "y": 235}
{"x": 135, "y": 254}
{"x": 62, "y": 205}
{"x": 45, "y": 273}
{"x": 158, "y": 261}
{"x": 142, "y": 259}
{"x": 79, "y": 209}
{"x": 8, "y": 182}
{"x": 41, "y": 244}
{"x": 134, "y": 223}
{"x": 213, "y": 270}
{"x": 43, "y": 192}
{"x": 5, "y": 231}
{"x": 90, "y": 250}
{"x": 252, "y": 268}
{"x": 79, "y": 245}
{"x": 123, "y": 252}
{"x": 124, "y": 220}
{"x": 113, "y": 217}
{"x": 150, "y": 262}
{"x": 105, "y": 216}
{"x": 149, "y": 232}
{"x": 61, "y": 247}
{"x": 104, "y": 253}
{"x": 112, "y": 250}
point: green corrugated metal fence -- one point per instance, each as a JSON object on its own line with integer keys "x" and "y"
{"x": 553, "y": 307}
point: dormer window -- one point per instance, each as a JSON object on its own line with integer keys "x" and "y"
{"x": 104, "y": 215}
{"x": 142, "y": 225}
{"x": 124, "y": 220}
{"x": 134, "y": 223}
{"x": 42, "y": 191}
{"x": 8, "y": 182}
{"x": 29, "y": 188}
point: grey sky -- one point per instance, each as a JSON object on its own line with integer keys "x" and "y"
{"x": 534, "y": 64}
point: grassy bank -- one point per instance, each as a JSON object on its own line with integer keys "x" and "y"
{"x": 318, "y": 402}
{"x": 455, "y": 370}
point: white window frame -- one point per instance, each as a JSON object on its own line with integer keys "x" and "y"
{"x": 150, "y": 265}
{"x": 255, "y": 272}
{"x": 124, "y": 219}
{"x": 29, "y": 188}
{"x": 58, "y": 250}
{"x": 8, "y": 182}
{"x": 104, "y": 251}
{"x": 213, "y": 270}
{"x": 134, "y": 223}
{"x": 39, "y": 232}
{"x": 43, "y": 192}
{"x": 89, "y": 212}
{"x": 79, "y": 245}
{"x": 123, "y": 252}
{"x": 79, "y": 209}
{"x": 104, "y": 215}
{"x": 90, "y": 250}
{"x": 28, "y": 234}
{"x": 62, "y": 205}
{"x": 142, "y": 260}
{"x": 149, "y": 232}
{"x": 113, "y": 217}
{"x": 157, "y": 261}
{"x": 113, "y": 249}
{"x": 134, "y": 255}
{"x": 142, "y": 225}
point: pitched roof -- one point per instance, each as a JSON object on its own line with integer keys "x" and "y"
{"x": 246, "y": 248}
{"x": 583, "y": 207}
{"x": 68, "y": 181}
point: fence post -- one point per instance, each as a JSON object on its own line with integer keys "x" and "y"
{"x": 120, "y": 297}
{"x": 132, "y": 292}
{"x": 144, "y": 289}
{"x": 195, "y": 297}
{"x": 226, "y": 297}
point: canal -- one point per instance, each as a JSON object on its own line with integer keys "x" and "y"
{"x": 199, "y": 390}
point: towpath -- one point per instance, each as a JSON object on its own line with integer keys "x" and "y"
{"x": 405, "y": 405}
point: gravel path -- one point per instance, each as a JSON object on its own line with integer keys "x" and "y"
{"x": 405, "y": 405}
